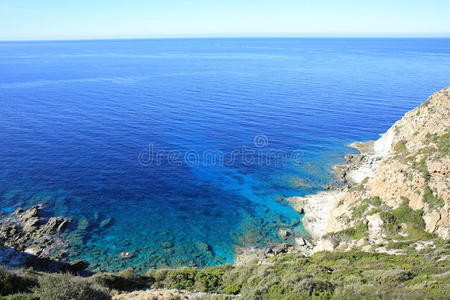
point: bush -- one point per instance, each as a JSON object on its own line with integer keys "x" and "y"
{"x": 358, "y": 211}
{"x": 357, "y": 232}
{"x": 232, "y": 288}
{"x": 68, "y": 287}
{"x": 393, "y": 276}
{"x": 400, "y": 147}
{"x": 183, "y": 279}
{"x": 20, "y": 297}
{"x": 158, "y": 276}
{"x": 314, "y": 287}
{"x": 421, "y": 166}
{"x": 123, "y": 281}
{"x": 207, "y": 280}
{"x": 404, "y": 214}
{"x": 432, "y": 200}
{"x": 11, "y": 282}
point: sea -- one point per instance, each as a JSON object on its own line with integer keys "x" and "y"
{"x": 182, "y": 152}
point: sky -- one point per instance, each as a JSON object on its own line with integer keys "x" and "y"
{"x": 90, "y": 19}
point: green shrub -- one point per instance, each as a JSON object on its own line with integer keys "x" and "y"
{"x": 442, "y": 144}
{"x": 14, "y": 282}
{"x": 20, "y": 297}
{"x": 124, "y": 281}
{"x": 326, "y": 275}
{"x": 158, "y": 276}
{"x": 398, "y": 245}
{"x": 432, "y": 200}
{"x": 359, "y": 231}
{"x": 68, "y": 287}
{"x": 375, "y": 201}
{"x": 232, "y": 289}
{"x": 314, "y": 287}
{"x": 359, "y": 210}
{"x": 421, "y": 166}
{"x": 183, "y": 279}
{"x": 209, "y": 279}
{"x": 390, "y": 223}
{"x": 400, "y": 147}
{"x": 394, "y": 277}
{"x": 404, "y": 214}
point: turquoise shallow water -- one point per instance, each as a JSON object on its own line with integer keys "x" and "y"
{"x": 181, "y": 150}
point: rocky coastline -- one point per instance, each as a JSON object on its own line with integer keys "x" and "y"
{"x": 29, "y": 232}
{"x": 408, "y": 164}
{"x": 391, "y": 198}
{"x": 29, "y": 238}
{"x": 317, "y": 208}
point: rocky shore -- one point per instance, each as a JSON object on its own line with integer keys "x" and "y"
{"x": 30, "y": 239}
{"x": 406, "y": 169}
{"x": 317, "y": 208}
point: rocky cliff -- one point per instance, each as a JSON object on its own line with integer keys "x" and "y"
{"x": 396, "y": 196}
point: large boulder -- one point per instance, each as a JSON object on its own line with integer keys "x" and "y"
{"x": 30, "y": 219}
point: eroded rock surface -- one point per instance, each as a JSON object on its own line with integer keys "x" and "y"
{"x": 28, "y": 238}
{"x": 396, "y": 192}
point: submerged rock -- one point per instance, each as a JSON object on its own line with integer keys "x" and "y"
{"x": 169, "y": 251}
{"x": 78, "y": 265}
{"x": 125, "y": 255}
{"x": 278, "y": 249}
{"x": 55, "y": 224}
{"x": 167, "y": 244}
{"x": 105, "y": 223}
{"x": 283, "y": 233}
{"x": 202, "y": 246}
{"x": 83, "y": 224}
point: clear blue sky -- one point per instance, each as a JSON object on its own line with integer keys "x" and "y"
{"x": 74, "y": 19}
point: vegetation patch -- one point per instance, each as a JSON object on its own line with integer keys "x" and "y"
{"x": 326, "y": 275}
{"x": 415, "y": 225}
{"x": 13, "y": 282}
{"x": 124, "y": 281}
{"x": 359, "y": 231}
{"x": 441, "y": 144}
{"x": 360, "y": 210}
{"x": 400, "y": 147}
{"x": 421, "y": 166}
{"x": 69, "y": 287}
{"x": 432, "y": 200}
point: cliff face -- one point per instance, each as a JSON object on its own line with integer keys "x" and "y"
{"x": 417, "y": 163}
{"x": 398, "y": 189}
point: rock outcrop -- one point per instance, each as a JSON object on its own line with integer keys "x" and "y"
{"x": 397, "y": 191}
{"x": 27, "y": 238}
{"x": 29, "y": 232}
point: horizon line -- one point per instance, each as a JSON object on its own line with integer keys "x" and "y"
{"x": 318, "y": 36}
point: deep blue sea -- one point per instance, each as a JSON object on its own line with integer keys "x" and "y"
{"x": 180, "y": 151}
